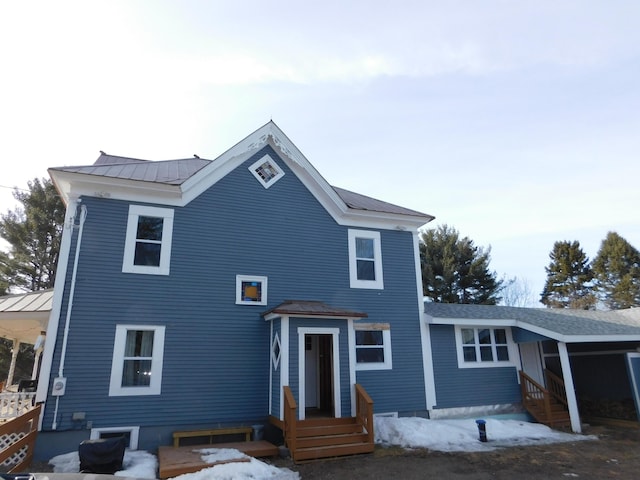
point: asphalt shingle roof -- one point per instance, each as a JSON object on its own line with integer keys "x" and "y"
{"x": 570, "y": 323}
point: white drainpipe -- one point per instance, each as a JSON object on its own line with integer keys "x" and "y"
{"x": 83, "y": 216}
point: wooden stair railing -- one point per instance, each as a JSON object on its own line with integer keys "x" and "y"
{"x": 290, "y": 421}
{"x": 364, "y": 411}
{"x": 325, "y": 437}
{"x": 546, "y": 406}
{"x": 19, "y": 435}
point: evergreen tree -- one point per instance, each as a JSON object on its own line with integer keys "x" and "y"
{"x": 569, "y": 278}
{"x": 617, "y": 272}
{"x": 454, "y": 270}
{"x": 33, "y": 232}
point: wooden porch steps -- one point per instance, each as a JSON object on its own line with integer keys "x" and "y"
{"x": 557, "y": 417}
{"x": 546, "y": 405}
{"x": 330, "y": 437}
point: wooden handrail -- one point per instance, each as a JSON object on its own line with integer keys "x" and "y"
{"x": 534, "y": 395}
{"x": 364, "y": 411}
{"x": 556, "y": 387}
{"x": 25, "y": 428}
{"x": 290, "y": 420}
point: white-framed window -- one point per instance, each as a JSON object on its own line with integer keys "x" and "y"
{"x": 373, "y": 346}
{"x": 147, "y": 246}
{"x": 480, "y": 347}
{"x": 365, "y": 259}
{"x": 131, "y": 433}
{"x": 251, "y": 290}
{"x": 138, "y": 352}
{"x": 267, "y": 171}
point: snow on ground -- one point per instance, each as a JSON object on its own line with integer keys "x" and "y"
{"x": 460, "y": 435}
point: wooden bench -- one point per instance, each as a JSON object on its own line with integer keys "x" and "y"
{"x": 211, "y": 433}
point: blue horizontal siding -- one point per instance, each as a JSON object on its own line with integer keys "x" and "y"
{"x": 466, "y": 387}
{"x": 217, "y": 353}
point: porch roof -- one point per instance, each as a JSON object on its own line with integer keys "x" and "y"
{"x": 312, "y": 308}
{"x": 566, "y": 325}
{"x": 24, "y": 316}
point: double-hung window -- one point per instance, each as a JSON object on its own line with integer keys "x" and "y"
{"x": 136, "y": 368}
{"x": 148, "y": 240}
{"x": 365, "y": 259}
{"x": 372, "y": 346}
{"x": 484, "y": 347}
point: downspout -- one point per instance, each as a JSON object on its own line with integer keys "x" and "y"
{"x": 83, "y": 216}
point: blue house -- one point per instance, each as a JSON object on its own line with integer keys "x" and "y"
{"x": 562, "y": 366}
{"x": 196, "y": 294}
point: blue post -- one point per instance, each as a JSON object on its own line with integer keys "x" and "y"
{"x": 482, "y": 430}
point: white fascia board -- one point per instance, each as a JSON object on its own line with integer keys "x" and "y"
{"x": 474, "y": 322}
{"x": 560, "y": 337}
{"x": 72, "y": 184}
{"x": 341, "y": 213}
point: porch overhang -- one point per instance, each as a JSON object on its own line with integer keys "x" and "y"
{"x": 24, "y": 317}
{"x": 312, "y": 309}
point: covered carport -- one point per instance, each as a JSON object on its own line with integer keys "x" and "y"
{"x": 23, "y": 319}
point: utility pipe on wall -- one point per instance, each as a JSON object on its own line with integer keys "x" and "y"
{"x": 83, "y": 216}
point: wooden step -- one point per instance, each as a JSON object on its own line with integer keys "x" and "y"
{"x": 325, "y": 440}
{"x": 314, "y": 453}
{"x": 321, "y": 430}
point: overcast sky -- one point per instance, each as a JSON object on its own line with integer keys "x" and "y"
{"x": 516, "y": 122}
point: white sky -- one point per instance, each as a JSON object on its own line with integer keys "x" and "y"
{"x": 458, "y": 435}
{"x": 514, "y": 122}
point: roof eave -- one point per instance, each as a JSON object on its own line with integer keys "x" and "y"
{"x": 73, "y": 185}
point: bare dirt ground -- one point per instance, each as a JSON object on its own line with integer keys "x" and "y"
{"x": 615, "y": 455}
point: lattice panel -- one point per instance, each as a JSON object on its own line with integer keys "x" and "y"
{"x": 8, "y": 440}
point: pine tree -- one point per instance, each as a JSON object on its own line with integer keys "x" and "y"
{"x": 617, "y": 272}
{"x": 454, "y": 270}
{"x": 569, "y": 278}
{"x": 33, "y": 232}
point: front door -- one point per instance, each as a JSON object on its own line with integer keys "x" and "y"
{"x": 318, "y": 375}
{"x": 319, "y": 388}
{"x": 532, "y": 361}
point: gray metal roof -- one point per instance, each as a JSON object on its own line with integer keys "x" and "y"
{"x": 572, "y": 324}
{"x": 176, "y": 172}
{"x": 169, "y": 172}
{"x": 313, "y": 308}
{"x": 27, "y": 302}
{"x": 362, "y": 202}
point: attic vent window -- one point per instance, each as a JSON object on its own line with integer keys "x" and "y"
{"x": 267, "y": 171}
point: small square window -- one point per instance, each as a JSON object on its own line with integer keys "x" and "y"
{"x": 267, "y": 171}
{"x": 251, "y": 290}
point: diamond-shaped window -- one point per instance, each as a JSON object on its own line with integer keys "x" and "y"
{"x": 267, "y": 171}
{"x": 275, "y": 352}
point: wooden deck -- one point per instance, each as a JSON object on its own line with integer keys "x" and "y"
{"x": 178, "y": 461}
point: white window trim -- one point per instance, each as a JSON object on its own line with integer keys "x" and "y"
{"x": 276, "y": 167}
{"x": 511, "y": 346}
{"x": 115, "y": 386}
{"x": 386, "y": 345}
{"x": 378, "y": 283}
{"x": 134, "y": 433}
{"x": 251, "y": 278}
{"x": 136, "y": 211}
